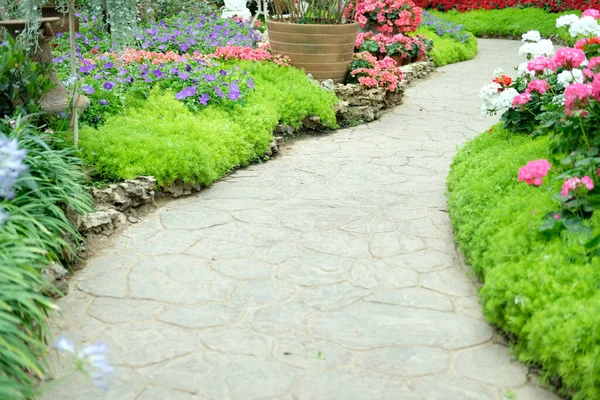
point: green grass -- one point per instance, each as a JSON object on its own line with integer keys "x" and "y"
{"x": 158, "y": 136}
{"x": 448, "y": 51}
{"x": 508, "y": 22}
{"x": 542, "y": 288}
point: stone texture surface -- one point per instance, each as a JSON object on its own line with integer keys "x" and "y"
{"x": 329, "y": 273}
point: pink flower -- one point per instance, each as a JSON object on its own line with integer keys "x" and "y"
{"x": 539, "y": 64}
{"x": 534, "y": 172}
{"x": 577, "y": 97}
{"x": 588, "y": 182}
{"x": 521, "y": 99}
{"x": 573, "y": 183}
{"x": 594, "y": 62}
{"x": 538, "y": 85}
{"x": 591, "y": 13}
{"x": 556, "y": 216}
{"x": 569, "y": 57}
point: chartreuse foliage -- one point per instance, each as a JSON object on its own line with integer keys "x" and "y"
{"x": 508, "y": 22}
{"x": 159, "y": 136}
{"x": 541, "y": 287}
{"x": 447, "y": 50}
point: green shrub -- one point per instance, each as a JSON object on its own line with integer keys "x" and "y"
{"x": 36, "y": 233}
{"x": 447, "y": 50}
{"x": 543, "y": 288}
{"x": 508, "y": 22}
{"x": 159, "y": 136}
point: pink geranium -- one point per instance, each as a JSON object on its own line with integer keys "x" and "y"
{"x": 577, "y": 96}
{"x": 534, "y": 172}
{"x": 569, "y": 57}
{"x": 594, "y": 62}
{"x": 521, "y": 99}
{"x": 540, "y": 64}
{"x": 591, "y": 13}
{"x": 538, "y": 85}
{"x": 573, "y": 183}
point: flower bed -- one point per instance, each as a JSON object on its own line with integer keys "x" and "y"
{"x": 523, "y": 201}
{"x": 468, "y": 5}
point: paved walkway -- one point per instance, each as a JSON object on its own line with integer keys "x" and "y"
{"x": 329, "y": 273}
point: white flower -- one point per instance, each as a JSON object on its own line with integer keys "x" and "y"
{"x": 566, "y": 78}
{"x": 586, "y": 26}
{"x": 544, "y": 47}
{"x": 531, "y": 36}
{"x": 91, "y": 360}
{"x": 522, "y": 70}
{"x": 559, "y": 100}
{"x": 566, "y": 20}
{"x": 506, "y": 97}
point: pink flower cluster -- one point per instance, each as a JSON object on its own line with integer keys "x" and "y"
{"x": 591, "y": 13}
{"x": 573, "y": 183}
{"x": 569, "y": 57}
{"x": 534, "y": 172}
{"x": 540, "y": 64}
{"x": 577, "y": 96}
{"x": 521, "y": 99}
{"x": 539, "y": 86}
{"x": 386, "y": 41}
{"x": 389, "y": 15}
{"x": 247, "y": 53}
{"x": 140, "y": 56}
{"x": 383, "y": 73}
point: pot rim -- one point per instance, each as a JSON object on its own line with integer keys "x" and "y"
{"x": 293, "y": 23}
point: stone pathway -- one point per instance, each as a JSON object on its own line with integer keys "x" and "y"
{"x": 329, "y": 273}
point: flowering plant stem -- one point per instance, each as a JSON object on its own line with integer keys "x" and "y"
{"x": 73, "y": 58}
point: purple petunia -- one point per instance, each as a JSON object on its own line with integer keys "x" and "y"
{"x": 223, "y": 72}
{"x": 204, "y": 99}
{"x": 186, "y": 92}
{"x": 88, "y": 89}
{"x": 184, "y": 47}
{"x": 250, "y": 84}
{"x": 219, "y": 92}
{"x": 184, "y": 75}
{"x": 158, "y": 73}
{"x": 234, "y": 91}
{"x": 209, "y": 78}
{"x": 108, "y": 85}
{"x": 103, "y": 102}
{"x": 109, "y": 65}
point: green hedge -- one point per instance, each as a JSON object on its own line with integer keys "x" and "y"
{"x": 448, "y": 51}
{"x": 542, "y": 289}
{"x": 508, "y": 22}
{"x": 158, "y": 136}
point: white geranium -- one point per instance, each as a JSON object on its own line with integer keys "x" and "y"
{"x": 523, "y": 71}
{"x": 506, "y": 97}
{"x": 543, "y": 47}
{"x": 495, "y": 99}
{"x": 566, "y": 78}
{"x": 585, "y": 26}
{"x": 566, "y": 20}
{"x": 531, "y": 36}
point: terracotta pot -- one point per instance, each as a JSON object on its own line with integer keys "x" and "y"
{"x": 325, "y": 51}
{"x": 62, "y": 25}
{"x": 421, "y": 57}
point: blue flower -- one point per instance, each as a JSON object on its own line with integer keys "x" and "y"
{"x": 204, "y": 99}
{"x": 209, "y": 78}
{"x": 223, "y": 72}
{"x": 158, "y": 73}
{"x": 185, "y": 93}
{"x": 91, "y": 360}
{"x": 11, "y": 165}
{"x": 250, "y": 84}
{"x": 103, "y": 102}
{"x": 219, "y": 92}
{"x": 108, "y": 85}
{"x": 234, "y": 91}
{"x": 88, "y": 89}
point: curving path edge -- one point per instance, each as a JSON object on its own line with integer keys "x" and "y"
{"x": 329, "y": 273}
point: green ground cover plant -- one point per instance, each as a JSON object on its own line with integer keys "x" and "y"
{"x": 508, "y": 22}
{"x": 205, "y": 145}
{"x": 539, "y": 287}
{"x": 447, "y": 50}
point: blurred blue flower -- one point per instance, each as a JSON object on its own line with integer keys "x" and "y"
{"x": 11, "y": 165}
{"x": 88, "y": 89}
{"x": 91, "y": 360}
{"x": 103, "y": 102}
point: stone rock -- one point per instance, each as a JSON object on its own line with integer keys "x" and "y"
{"x": 131, "y": 193}
{"x": 313, "y": 122}
{"x": 328, "y": 85}
{"x": 178, "y": 189}
{"x": 285, "y": 130}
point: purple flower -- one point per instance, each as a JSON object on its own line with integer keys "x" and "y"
{"x": 158, "y": 73}
{"x": 11, "y": 165}
{"x": 108, "y": 85}
{"x": 234, "y": 91}
{"x": 223, "y": 72}
{"x": 103, "y": 102}
{"x": 59, "y": 34}
{"x": 84, "y": 69}
{"x": 219, "y": 92}
{"x": 209, "y": 78}
{"x": 185, "y": 93}
{"x": 204, "y": 99}
{"x": 184, "y": 47}
{"x": 184, "y": 75}
{"x": 250, "y": 84}
{"x": 87, "y": 89}
{"x": 97, "y": 77}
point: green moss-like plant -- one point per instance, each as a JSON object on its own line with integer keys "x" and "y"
{"x": 448, "y": 51}
{"x": 542, "y": 288}
{"x": 159, "y": 136}
{"x": 509, "y": 22}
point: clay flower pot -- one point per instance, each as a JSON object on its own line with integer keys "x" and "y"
{"x": 324, "y": 51}
{"x": 62, "y": 25}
